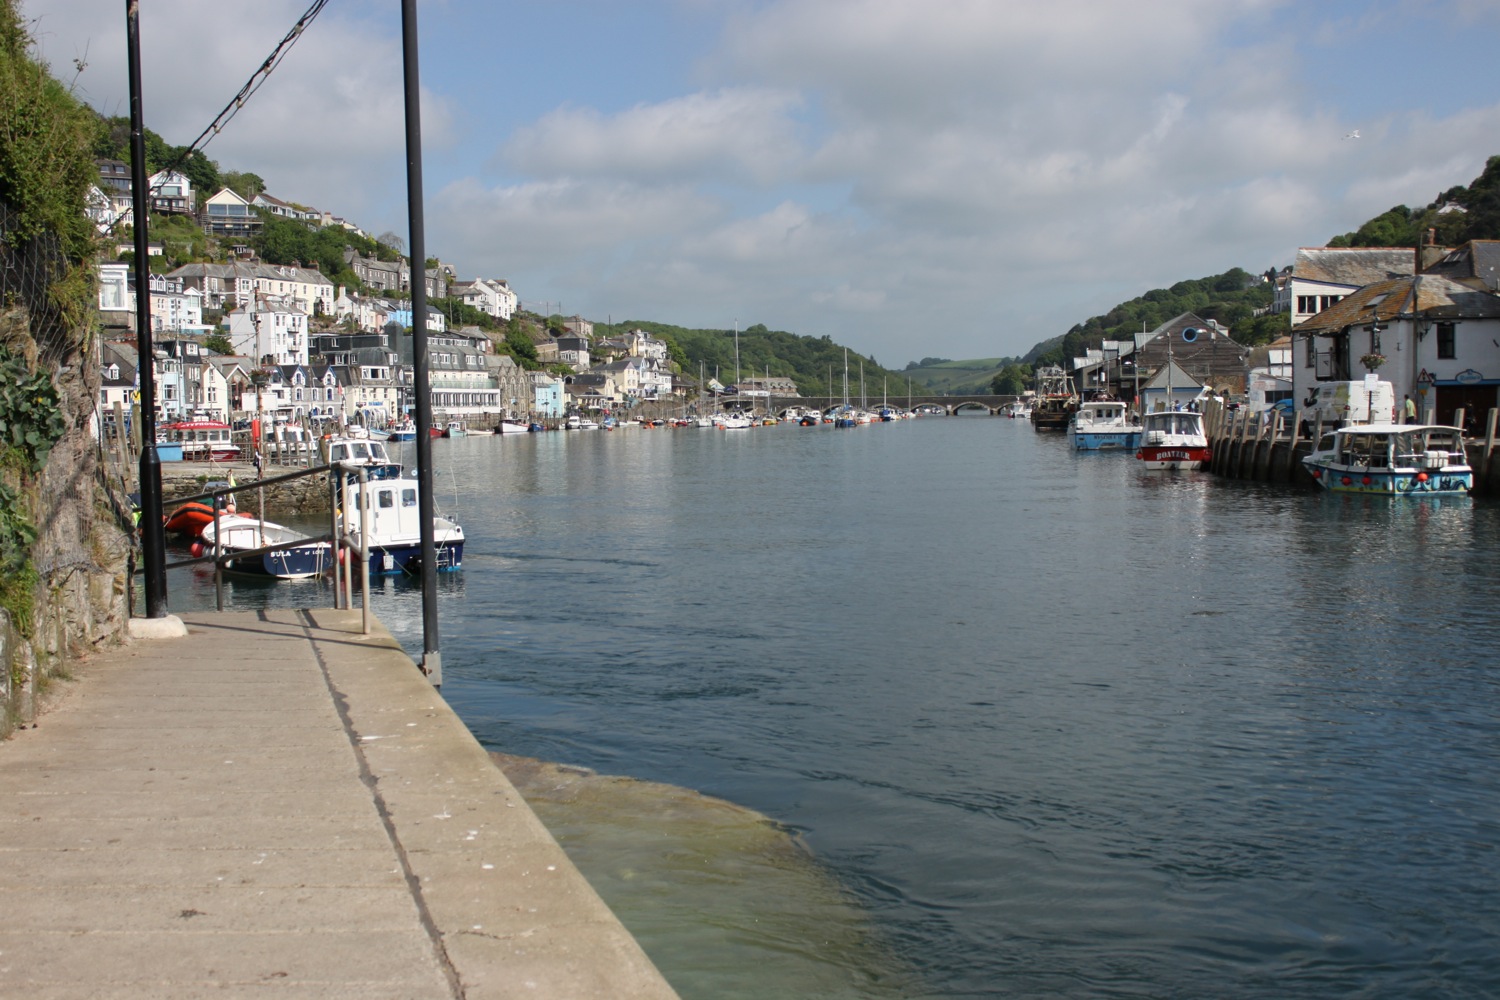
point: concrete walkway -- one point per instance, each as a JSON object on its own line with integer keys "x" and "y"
{"x": 277, "y": 806}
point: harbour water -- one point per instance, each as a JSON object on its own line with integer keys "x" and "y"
{"x": 1046, "y": 724}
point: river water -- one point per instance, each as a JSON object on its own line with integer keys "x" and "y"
{"x": 1036, "y": 724}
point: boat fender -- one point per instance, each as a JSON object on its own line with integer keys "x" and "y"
{"x": 197, "y": 550}
{"x": 1346, "y": 480}
{"x": 1421, "y": 477}
{"x": 1366, "y": 480}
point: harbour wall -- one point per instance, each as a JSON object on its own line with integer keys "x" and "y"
{"x": 1245, "y": 446}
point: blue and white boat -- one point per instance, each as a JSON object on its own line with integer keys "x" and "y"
{"x": 1392, "y": 460}
{"x": 390, "y": 534}
{"x": 1102, "y": 426}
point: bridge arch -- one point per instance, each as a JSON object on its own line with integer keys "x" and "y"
{"x": 973, "y": 404}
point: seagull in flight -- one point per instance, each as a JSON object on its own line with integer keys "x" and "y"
{"x": 1353, "y": 135}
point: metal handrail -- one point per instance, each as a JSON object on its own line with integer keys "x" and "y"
{"x": 338, "y": 540}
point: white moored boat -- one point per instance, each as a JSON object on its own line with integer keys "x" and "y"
{"x": 1173, "y": 439}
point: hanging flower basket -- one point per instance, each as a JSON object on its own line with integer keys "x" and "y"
{"x": 1372, "y": 362}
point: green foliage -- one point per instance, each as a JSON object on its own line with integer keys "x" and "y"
{"x": 294, "y": 241}
{"x": 46, "y": 140}
{"x": 926, "y": 363}
{"x": 1011, "y": 380}
{"x": 31, "y": 420}
{"x": 18, "y": 591}
{"x": 17, "y": 533}
{"x": 519, "y": 345}
{"x": 247, "y": 185}
{"x": 218, "y": 343}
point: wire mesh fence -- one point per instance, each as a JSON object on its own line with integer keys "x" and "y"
{"x": 28, "y": 270}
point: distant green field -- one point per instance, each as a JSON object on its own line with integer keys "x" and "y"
{"x": 973, "y": 375}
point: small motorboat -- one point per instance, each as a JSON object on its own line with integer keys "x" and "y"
{"x": 1392, "y": 460}
{"x": 247, "y": 538}
{"x": 1173, "y": 439}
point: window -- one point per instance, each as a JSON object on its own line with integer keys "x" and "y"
{"x": 387, "y": 500}
{"x": 1328, "y": 301}
{"x": 408, "y": 498}
{"x": 1446, "y": 346}
{"x": 1307, "y": 303}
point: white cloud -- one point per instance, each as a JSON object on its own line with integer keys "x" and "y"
{"x": 736, "y": 134}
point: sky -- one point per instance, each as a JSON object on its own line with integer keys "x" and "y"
{"x": 948, "y": 178}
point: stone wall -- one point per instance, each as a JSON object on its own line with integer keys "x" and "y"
{"x": 82, "y": 554}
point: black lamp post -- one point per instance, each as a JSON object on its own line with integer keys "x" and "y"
{"x": 153, "y": 537}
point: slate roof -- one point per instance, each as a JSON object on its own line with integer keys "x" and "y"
{"x": 1353, "y": 266}
{"x": 1431, "y": 296}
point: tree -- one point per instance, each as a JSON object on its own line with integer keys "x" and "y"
{"x": 246, "y": 185}
{"x": 218, "y": 343}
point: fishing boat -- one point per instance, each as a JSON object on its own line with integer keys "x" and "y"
{"x": 512, "y": 427}
{"x": 248, "y": 538}
{"x": 1056, "y": 400}
{"x": 201, "y": 440}
{"x": 1103, "y": 425}
{"x": 1392, "y": 460}
{"x": 406, "y": 430}
{"x": 455, "y": 429}
{"x": 386, "y": 524}
{"x": 735, "y": 421}
{"x": 347, "y": 450}
{"x": 1173, "y": 439}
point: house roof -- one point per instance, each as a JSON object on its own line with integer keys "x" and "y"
{"x": 1430, "y": 296}
{"x": 1475, "y": 259}
{"x": 1180, "y": 379}
{"x": 1353, "y": 266}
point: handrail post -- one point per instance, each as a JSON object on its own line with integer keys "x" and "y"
{"x": 333, "y": 528}
{"x": 343, "y": 577}
{"x": 364, "y": 542}
{"x": 218, "y": 568}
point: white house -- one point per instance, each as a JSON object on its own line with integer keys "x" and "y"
{"x": 490, "y": 296}
{"x": 170, "y": 193}
{"x": 1431, "y": 337}
{"x": 270, "y": 330}
{"x": 226, "y": 214}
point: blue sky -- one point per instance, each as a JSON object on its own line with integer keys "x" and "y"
{"x": 960, "y": 178}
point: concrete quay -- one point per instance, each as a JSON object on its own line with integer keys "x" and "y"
{"x": 274, "y": 805}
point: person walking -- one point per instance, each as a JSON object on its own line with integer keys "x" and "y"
{"x": 1409, "y": 410}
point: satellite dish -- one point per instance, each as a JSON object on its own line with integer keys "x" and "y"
{"x": 1190, "y": 334}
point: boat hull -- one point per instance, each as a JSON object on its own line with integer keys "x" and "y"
{"x": 398, "y": 560}
{"x": 1174, "y": 457}
{"x": 1106, "y": 440}
{"x": 1404, "y": 482}
{"x": 189, "y": 519}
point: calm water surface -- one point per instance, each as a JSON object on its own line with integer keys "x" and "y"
{"x": 1059, "y": 726}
